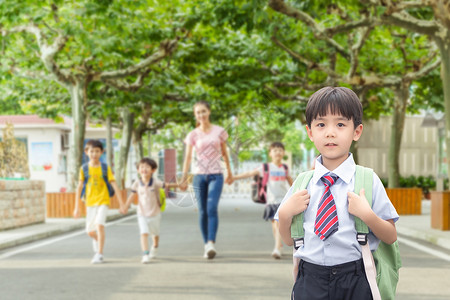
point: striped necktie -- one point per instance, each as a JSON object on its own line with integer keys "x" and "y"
{"x": 326, "y": 219}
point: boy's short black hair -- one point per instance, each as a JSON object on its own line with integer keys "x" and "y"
{"x": 276, "y": 145}
{"x": 149, "y": 162}
{"x": 336, "y": 100}
{"x": 94, "y": 144}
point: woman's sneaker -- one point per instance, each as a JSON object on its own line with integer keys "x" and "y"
{"x": 97, "y": 259}
{"x": 276, "y": 253}
{"x": 210, "y": 251}
{"x": 145, "y": 259}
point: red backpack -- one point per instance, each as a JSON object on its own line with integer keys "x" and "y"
{"x": 259, "y": 185}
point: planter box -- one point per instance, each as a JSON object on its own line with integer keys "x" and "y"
{"x": 440, "y": 210}
{"x": 407, "y": 201}
{"x": 61, "y": 205}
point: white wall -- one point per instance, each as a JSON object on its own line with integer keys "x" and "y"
{"x": 54, "y": 180}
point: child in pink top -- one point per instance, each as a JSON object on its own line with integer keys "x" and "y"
{"x": 146, "y": 191}
{"x": 209, "y": 142}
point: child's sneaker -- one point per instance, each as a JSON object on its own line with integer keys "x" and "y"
{"x": 210, "y": 251}
{"x": 95, "y": 245}
{"x": 153, "y": 252}
{"x": 145, "y": 259}
{"x": 97, "y": 259}
{"x": 276, "y": 253}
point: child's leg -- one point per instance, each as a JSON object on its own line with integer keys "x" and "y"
{"x": 144, "y": 242}
{"x": 276, "y": 235}
{"x": 154, "y": 224}
{"x": 155, "y": 239}
{"x": 144, "y": 231}
{"x": 91, "y": 231}
{"x": 100, "y": 222}
{"x": 100, "y": 238}
{"x": 93, "y": 235}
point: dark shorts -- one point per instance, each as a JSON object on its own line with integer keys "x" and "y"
{"x": 344, "y": 282}
{"x": 270, "y": 211}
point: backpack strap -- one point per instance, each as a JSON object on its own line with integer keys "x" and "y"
{"x": 363, "y": 179}
{"x": 157, "y": 192}
{"x": 105, "y": 172}
{"x": 85, "y": 169}
{"x": 105, "y": 178}
{"x": 265, "y": 173}
{"x": 286, "y": 169}
{"x": 297, "y": 231}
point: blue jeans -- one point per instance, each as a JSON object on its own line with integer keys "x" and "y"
{"x": 207, "y": 188}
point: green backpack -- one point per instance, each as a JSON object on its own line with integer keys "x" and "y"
{"x": 386, "y": 257}
{"x": 161, "y": 195}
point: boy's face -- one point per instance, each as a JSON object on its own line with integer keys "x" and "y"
{"x": 333, "y": 135}
{"x": 145, "y": 170}
{"x": 276, "y": 154}
{"x": 94, "y": 153}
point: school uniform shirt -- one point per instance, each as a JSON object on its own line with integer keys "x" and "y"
{"x": 148, "y": 205}
{"x": 277, "y": 185}
{"x": 96, "y": 190}
{"x": 207, "y": 148}
{"x": 341, "y": 246}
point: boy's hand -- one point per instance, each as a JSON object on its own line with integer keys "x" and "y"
{"x": 358, "y": 205}
{"x": 229, "y": 179}
{"x": 183, "y": 185}
{"x": 297, "y": 203}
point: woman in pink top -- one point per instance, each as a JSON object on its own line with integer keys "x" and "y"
{"x": 209, "y": 142}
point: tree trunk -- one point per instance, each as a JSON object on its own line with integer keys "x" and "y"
{"x": 444, "y": 47}
{"x": 137, "y": 145}
{"x": 109, "y": 145}
{"x": 149, "y": 143}
{"x": 78, "y": 99}
{"x": 397, "y": 126}
{"x": 127, "y": 129}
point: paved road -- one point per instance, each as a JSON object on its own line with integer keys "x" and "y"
{"x": 243, "y": 269}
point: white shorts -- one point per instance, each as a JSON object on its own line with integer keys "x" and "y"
{"x": 149, "y": 225}
{"x": 95, "y": 215}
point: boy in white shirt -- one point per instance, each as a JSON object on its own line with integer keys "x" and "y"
{"x": 331, "y": 265}
{"x": 146, "y": 191}
{"x": 278, "y": 184}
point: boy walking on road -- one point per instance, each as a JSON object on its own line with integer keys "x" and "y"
{"x": 147, "y": 191}
{"x": 278, "y": 184}
{"x": 331, "y": 266}
{"x": 94, "y": 187}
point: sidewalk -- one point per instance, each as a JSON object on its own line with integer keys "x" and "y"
{"x": 51, "y": 227}
{"x": 415, "y": 226}
{"x": 419, "y": 227}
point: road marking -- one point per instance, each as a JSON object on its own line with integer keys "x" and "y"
{"x": 57, "y": 239}
{"x": 422, "y": 248}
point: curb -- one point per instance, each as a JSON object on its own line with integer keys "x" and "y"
{"x": 58, "y": 230}
{"x": 428, "y": 237}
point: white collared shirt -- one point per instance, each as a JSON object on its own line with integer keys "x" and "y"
{"x": 341, "y": 246}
